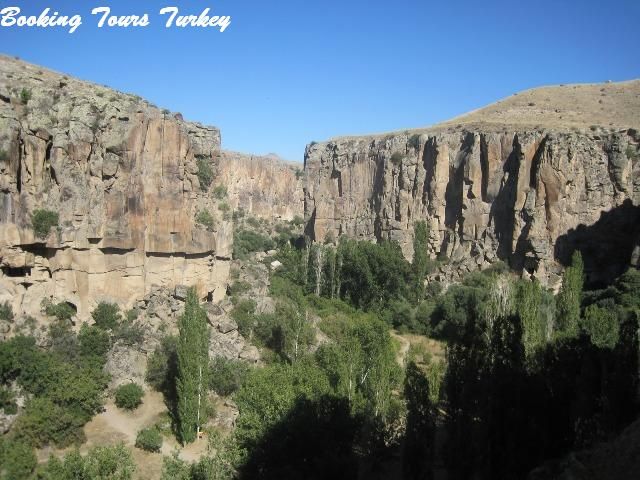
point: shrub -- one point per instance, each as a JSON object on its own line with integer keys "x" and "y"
{"x": 129, "y": 396}
{"x": 25, "y": 96}
{"x": 397, "y": 158}
{"x": 4, "y": 156}
{"x": 132, "y": 314}
{"x": 129, "y": 333}
{"x": 7, "y": 401}
{"x": 224, "y": 207}
{"x": 205, "y": 173}
{"x": 149, "y": 439}
{"x": 101, "y": 463}
{"x": 6, "y": 312}
{"x": 107, "y": 315}
{"x": 44, "y": 422}
{"x": 220, "y": 192}
{"x": 297, "y": 221}
{"x": 246, "y": 241}
{"x": 17, "y": 459}
{"x": 43, "y": 220}
{"x": 238, "y": 287}
{"x": 227, "y": 376}
{"x": 63, "y": 311}
{"x": 204, "y": 218}
{"x": 631, "y": 152}
{"x": 161, "y": 366}
{"x": 243, "y": 314}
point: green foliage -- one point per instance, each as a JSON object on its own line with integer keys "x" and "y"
{"x": 174, "y": 468}
{"x": 601, "y": 324}
{"x": 107, "y": 316}
{"x": 93, "y": 344}
{"x": 149, "y": 439}
{"x": 238, "y": 287}
{"x": 227, "y": 376}
{"x": 247, "y": 241}
{"x": 43, "y": 220}
{"x": 17, "y": 459}
{"x": 269, "y": 393}
{"x": 162, "y": 365}
{"x": 8, "y": 401}
{"x": 220, "y": 192}
{"x": 570, "y": 297}
{"x": 631, "y": 152}
{"x": 421, "y": 264}
{"x": 243, "y": 313}
{"x": 205, "y": 173}
{"x": 44, "y": 421}
{"x": 129, "y": 396}
{"x": 204, "y": 218}
{"x": 193, "y": 369}
{"x": 101, "y": 463}
{"x": 4, "y": 155}
{"x": 6, "y": 312}
{"x": 397, "y": 158}
{"x": 62, "y": 311}
{"x": 534, "y": 327}
{"x": 25, "y": 96}
{"x": 132, "y": 314}
{"x": 297, "y": 221}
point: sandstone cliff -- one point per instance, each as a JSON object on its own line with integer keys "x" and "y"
{"x": 121, "y": 174}
{"x": 526, "y": 180}
{"x": 263, "y": 186}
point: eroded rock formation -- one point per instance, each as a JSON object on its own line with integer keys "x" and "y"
{"x": 488, "y": 191}
{"x": 121, "y": 174}
{"x": 263, "y": 186}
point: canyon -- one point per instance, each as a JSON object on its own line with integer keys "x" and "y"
{"x": 526, "y": 181}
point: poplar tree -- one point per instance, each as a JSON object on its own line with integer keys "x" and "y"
{"x": 193, "y": 366}
{"x": 570, "y": 297}
{"x": 420, "y": 264}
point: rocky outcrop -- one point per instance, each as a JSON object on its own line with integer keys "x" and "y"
{"x": 488, "y": 192}
{"x": 263, "y": 186}
{"x": 122, "y": 176}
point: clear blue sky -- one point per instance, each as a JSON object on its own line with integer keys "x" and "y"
{"x": 286, "y": 73}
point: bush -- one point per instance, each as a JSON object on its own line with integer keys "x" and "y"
{"x": 243, "y": 314}
{"x": 63, "y": 311}
{"x": 220, "y": 192}
{"x": 4, "y": 156}
{"x": 149, "y": 439}
{"x": 129, "y": 396}
{"x": 25, "y": 96}
{"x": 17, "y": 459}
{"x": 246, "y": 241}
{"x": 44, "y": 422}
{"x": 107, "y": 316}
{"x": 227, "y": 376}
{"x": 224, "y": 207}
{"x": 129, "y": 333}
{"x": 133, "y": 314}
{"x": 161, "y": 366}
{"x": 204, "y": 218}
{"x": 43, "y": 220}
{"x": 6, "y": 312}
{"x": 205, "y": 173}
{"x": 7, "y": 401}
{"x": 101, "y": 463}
{"x": 397, "y": 158}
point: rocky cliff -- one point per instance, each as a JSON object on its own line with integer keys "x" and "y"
{"x": 526, "y": 181}
{"x": 263, "y": 186}
{"x": 122, "y": 176}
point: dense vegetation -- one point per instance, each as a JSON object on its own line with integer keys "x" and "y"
{"x": 43, "y": 220}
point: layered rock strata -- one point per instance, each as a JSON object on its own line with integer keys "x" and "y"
{"x": 527, "y": 195}
{"x": 263, "y": 186}
{"x": 122, "y": 176}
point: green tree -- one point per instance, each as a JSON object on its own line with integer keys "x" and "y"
{"x": 528, "y": 301}
{"x": 570, "y": 297}
{"x": 149, "y": 439}
{"x": 601, "y": 324}
{"x": 129, "y": 396}
{"x": 193, "y": 369}
{"x": 17, "y": 459}
{"x": 107, "y": 316}
{"x": 43, "y": 220}
{"x": 421, "y": 262}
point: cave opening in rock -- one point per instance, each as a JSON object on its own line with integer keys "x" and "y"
{"x": 16, "y": 271}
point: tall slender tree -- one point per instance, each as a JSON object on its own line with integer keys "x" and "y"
{"x": 570, "y": 297}
{"x": 420, "y": 264}
{"x": 193, "y": 368}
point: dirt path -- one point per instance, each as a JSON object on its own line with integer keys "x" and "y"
{"x": 401, "y": 357}
{"x": 115, "y": 425}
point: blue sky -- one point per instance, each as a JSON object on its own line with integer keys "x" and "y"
{"x": 286, "y": 73}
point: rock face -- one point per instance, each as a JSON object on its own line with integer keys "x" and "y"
{"x": 263, "y": 186}
{"x": 122, "y": 176}
{"x": 527, "y": 195}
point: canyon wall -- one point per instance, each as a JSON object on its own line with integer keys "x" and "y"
{"x": 262, "y": 186}
{"x": 528, "y": 196}
{"x": 122, "y": 176}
